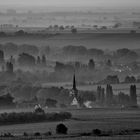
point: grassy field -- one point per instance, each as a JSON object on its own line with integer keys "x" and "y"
{"x": 90, "y": 40}
{"x": 84, "y": 120}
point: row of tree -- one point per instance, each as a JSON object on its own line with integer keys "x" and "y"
{"x": 121, "y": 99}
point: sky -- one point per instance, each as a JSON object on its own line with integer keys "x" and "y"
{"x": 102, "y": 3}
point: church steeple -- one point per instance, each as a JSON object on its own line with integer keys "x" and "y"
{"x": 74, "y": 83}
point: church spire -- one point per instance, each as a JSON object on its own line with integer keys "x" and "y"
{"x": 74, "y": 83}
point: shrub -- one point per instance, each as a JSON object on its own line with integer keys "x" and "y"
{"x": 96, "y": 132}
{"x": 8, "y": 135}
{"x": 37, "y": 134}
{"x": 29, "y": 117}
{"x": 61, "y": 129}
{"x": 25, "y": 134}
{"x": 48, "y": 133}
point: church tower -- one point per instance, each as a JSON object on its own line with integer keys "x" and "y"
{"x": 75, "y": 91}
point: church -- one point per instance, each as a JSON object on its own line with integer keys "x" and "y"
{"x": 74, "y": 94}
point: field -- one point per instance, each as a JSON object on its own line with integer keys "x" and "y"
{"x": 90, "y": 40}
{"x": 84, "y": 120}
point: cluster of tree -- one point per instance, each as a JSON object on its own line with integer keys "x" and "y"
{"x": 114, "y": 79}
{"x": 125, "y": 53}
{"x": 81, "y": 50}
{"x": 110, "y": 79}
{"x": 133, "y": 95}
{"x": 22, "y": 33}
{"x": 121, "y": 99}
{"x": 2, "y": 57}
{"x": 31, "y": 117}
{"x": 62, "y": 28}
{"x": 51, "y": 103}
{"x": 60, "y": 67}
{"x": 7, "y": 101}
{"x": 9, "y": 68}
{"x": 71, "y": 50}
{"x": 100, "y": 96}
{"x": 131, "y": 79}
{"x": 109, "y": 95}
{"x": 26, "y": 59}
{"x": 12, "y": 49}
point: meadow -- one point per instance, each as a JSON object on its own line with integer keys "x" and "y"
{"x": 84, "y": 121}
{"x": 103, "y": 41}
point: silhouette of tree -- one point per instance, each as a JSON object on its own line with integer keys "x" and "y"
{"x": 91, "y": 64}
{"x": 38, "y": 60}
{"x": 9, "y": 67}
{"x": 74, "y": 30}
{"x": 43, "y": 60}
{"x": 61, "y": 129}
{"x": 1, "y": 57}
{"x": 133, "y": 95}
{"x": 109, "y": 95}
{"x": 26, "y": 60}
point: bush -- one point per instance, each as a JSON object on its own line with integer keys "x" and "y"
{"x": 61, "y": 129}
{"x": 96, "y": 132}
{"x": 48, "y": 133}
{"x": 37, "y": 134}
{"x": 25, "y": 134}
{"x": 32, "y": 117}
{"x": 8, "y": 135}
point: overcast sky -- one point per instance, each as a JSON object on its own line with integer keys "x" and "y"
{"x": 71, "y": 2}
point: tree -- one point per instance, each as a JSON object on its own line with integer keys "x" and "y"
{"x": 20, "y": 33}
{"x": 61, "y": 28}
{"x": 1, "y": 56}
{"x": 10, "y": 49}
{"x": 59, "y": 67}
{"x": 109, "y": 63}
{"x": 30, "y": 49}
{"x": 12, "y": 60}
{"x": 109, "y": 95}
{"x": 25, "y": 59}
{"x": 9, "y": 67}
{"x": 133, "y": 95}
{"x": 91, "y": 64}
{"x": 38, "y": 60}
{"x": 43, "y": 60}
{"x": 130, "y": 79}
{"x": 74, "y": 30}
{"x": 61, "y": 129}
{"x": 50, "y": 102}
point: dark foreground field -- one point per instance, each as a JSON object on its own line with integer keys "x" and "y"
{"x": 84, "y": 121}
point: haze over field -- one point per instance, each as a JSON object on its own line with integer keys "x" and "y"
{"x": 110, "y": 3}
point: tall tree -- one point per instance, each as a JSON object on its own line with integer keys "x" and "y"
{"x": 91, "y": 64}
